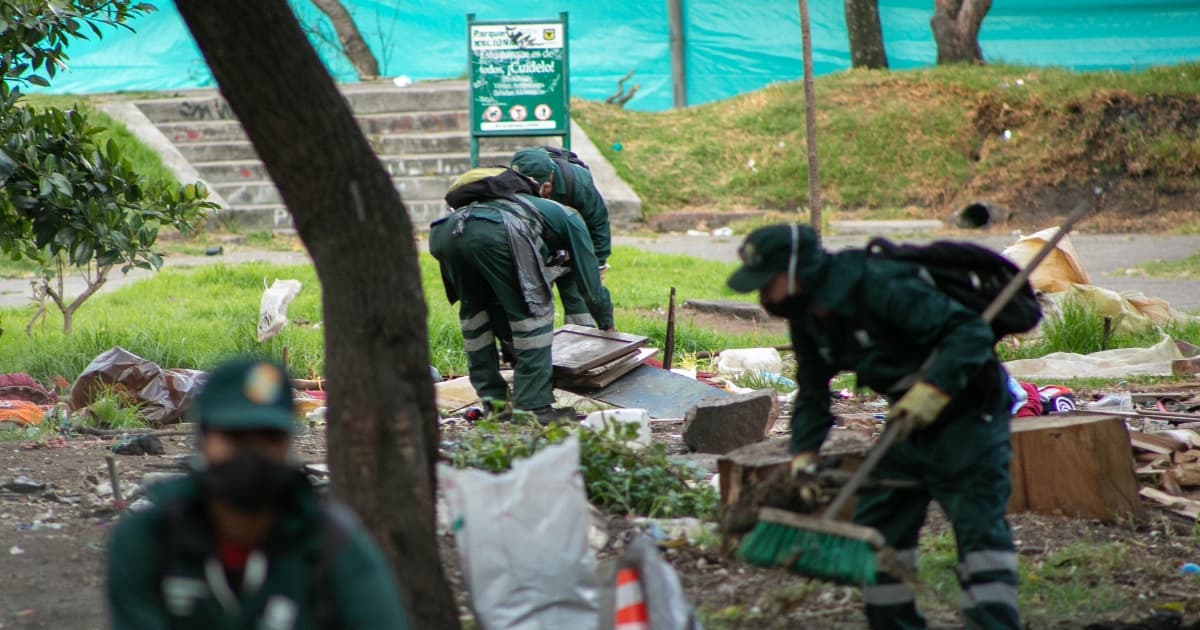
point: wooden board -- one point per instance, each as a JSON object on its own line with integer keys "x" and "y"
{"x": 661, "y": 393}
{"x": 606, "y": 374}
{"x": 1179, "y": 505}
{"x": 1076, "y": 465}
{"x": 579, "y": 348}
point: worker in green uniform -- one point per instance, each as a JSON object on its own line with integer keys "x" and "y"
{"x": 881, "y": 319}
{"x": 570, "y": 184}
{"x": 243, "y": 541}
{"x": 499, "y": 251}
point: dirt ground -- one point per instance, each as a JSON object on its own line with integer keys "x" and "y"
{"x": 54, "y": 542}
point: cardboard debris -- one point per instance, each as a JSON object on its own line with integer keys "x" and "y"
{"x": 578, "y": 349}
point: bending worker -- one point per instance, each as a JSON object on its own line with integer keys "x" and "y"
{"x": 570, "y": 184}
{"x": 244, "y": 541}
{"x": 499, "y": 250}
{"x": 881, "y": 319}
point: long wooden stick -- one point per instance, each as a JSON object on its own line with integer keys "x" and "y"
{"x": 810, "y": 122}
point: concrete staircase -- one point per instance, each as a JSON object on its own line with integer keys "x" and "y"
{"x": 421, "y": 134}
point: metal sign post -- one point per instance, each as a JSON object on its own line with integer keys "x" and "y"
{"x": 518, "y": 75}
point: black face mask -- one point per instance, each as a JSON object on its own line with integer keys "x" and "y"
{"x": 789, "y": 307}
{"x": 250, "y": 482}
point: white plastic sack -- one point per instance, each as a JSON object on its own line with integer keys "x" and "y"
{"x": 1152, "y": 361}
{"x": 272, "y": 310}
{"x": 522, "y": 542}
{"x": 735, "y": 362}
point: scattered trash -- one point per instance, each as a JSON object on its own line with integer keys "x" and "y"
{"x": 272, "y": 309}
{"x": 1122, "y": 401}
{"x": 618, "y": 147}
{"x": 647, "y": 588}
{"x": 1156, "y": 360}
{"x": 1058, "y": 271}
{"x": 140, "y": 445}
{"x": 21, "y": 412}
{"x": 159, "y": 395}
{"x": 735, "y": 362}
{"x": 696, "y": 233}
{"x": 1189, "y": 568}
{"x": 531, "y": 522}
{"x": 24, "y": 485}
{"x": 15, "y": 551}
{"x": 214, "y": 251}
{"x": 601, "y": 420}
{"x": 402, "y": 81}
{"x": 723, "y": 232}
{"x": 21, "y": 386}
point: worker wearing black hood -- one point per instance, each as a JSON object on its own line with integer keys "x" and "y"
{"x": 881, "y": 319}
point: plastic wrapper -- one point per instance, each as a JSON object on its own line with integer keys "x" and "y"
{"x": 522, "y": 542}
{"x": 161, "y": 396}
{"x": 272, "y": 309}
{"x": 1058, "y": 271}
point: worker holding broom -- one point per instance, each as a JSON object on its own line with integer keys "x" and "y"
{"x": 881, "y": 319}
{"x": 563, "y": 177}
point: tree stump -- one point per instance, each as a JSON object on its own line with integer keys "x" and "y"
{"x": 1079, "y": 466}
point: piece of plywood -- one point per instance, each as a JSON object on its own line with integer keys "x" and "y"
{"x": 661, "y": 393}
{"x": 1078, "y": 465}
{"x": 1155, "y": 443}
{"x": 579, "y": 348}
{"x": 606, "y": 374}
{"x": 1179, "y": 505}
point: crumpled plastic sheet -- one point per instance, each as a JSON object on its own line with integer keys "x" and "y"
{"x": 1153, "y": 361}
{"x": 162, "y": 396}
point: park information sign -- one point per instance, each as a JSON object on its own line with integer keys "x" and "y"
{"x": 518, "y": 74}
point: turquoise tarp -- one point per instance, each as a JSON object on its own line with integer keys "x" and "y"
{"x": 731, "y": 47}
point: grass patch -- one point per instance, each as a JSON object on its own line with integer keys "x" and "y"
{"x": 1075, "y": 582}
{"x": 1188, "y": 268}
{"x": 748, "y": 151}
{"x": 1081, "y": 330}
{"x": 194, "y": 318}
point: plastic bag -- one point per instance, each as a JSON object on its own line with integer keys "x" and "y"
{"x": 272, "y": 310}
{"x": 522, "y": 541}
{"x": 161, "y": 396}
{"x": 666, "y": 605}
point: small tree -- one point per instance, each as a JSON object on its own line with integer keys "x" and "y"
{"x": 955, "y": 25}
{"x": 67, "y": 202}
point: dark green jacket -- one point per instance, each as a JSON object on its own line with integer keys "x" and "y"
{"x": 584, "y": 197}
{"x": 880, "y": 319}
{"x": 560, "y": 228}
{"x": 162, "y": 569}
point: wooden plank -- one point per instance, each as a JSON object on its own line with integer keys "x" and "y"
{"x": 579, "y": 348}
{"x": 1154, "y": 443}
{"x": 1178, "y": 505}
{"x": 1074, "y": 465}
{"x": 608, "y": 373}
{"x": 1187, "y": 474}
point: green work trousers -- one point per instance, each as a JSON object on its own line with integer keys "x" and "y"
{"x": 965, "y": 469}
{"x": 575, "y": 308}
{"x": 492, "y": 306}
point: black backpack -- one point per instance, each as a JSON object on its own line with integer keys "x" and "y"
{"x": 564, "y": 158}
{"x": 971, "y": 275}
{"x": 505, "y": 185}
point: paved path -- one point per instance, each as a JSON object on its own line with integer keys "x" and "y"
{"x": 1104, "y": 256}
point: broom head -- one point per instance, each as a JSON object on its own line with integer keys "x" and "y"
{"x": 835, "y": 551}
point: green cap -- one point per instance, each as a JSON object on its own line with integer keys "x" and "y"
{"x": 770, "y": 251}
{"x": 246, "y": 394}
{"x": 535, "y": 163}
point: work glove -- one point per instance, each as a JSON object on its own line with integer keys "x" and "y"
{"x": 603, "y": 272}
{"x": 805, "y": 462}
{"x": 917, "y": 408}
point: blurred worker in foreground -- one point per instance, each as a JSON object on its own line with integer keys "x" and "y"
{"x": 499, "y": 251}
{"x": 243, "y": 541}
{"x": 562, "y": 177}
{"x": 881, "y": 319}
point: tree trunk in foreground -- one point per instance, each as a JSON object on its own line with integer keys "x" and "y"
{"x": 353, "y": 44}
{"x": 382, "y": 420}
{"x": 866, "y": 34}
{"x": 956, "y": 26}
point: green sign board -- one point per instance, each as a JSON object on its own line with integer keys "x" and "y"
{"x": 518, "y": 74}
